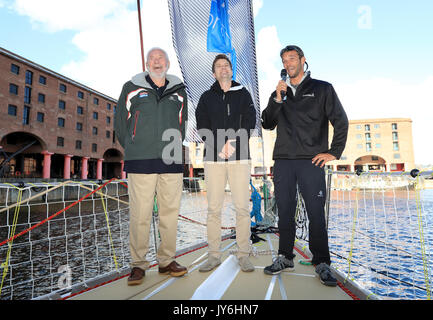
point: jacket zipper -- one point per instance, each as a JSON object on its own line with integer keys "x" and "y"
{"x": 137, "y": 113}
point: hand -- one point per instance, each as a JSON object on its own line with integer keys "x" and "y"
{"x": 282, "y": 86}
{"x": 227, "y": 151}
{"x": 322, "y": 158}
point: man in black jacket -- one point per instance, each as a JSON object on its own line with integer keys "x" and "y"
{"x": 225, "y": 115}
{"x": 301, "y": 109}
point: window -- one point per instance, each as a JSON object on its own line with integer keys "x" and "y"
{"x": 78, "y": 144}
{"x": 27, "y": 95}
{"x": 96, "y": 101}
{"x": 95, "y": 115}
{"x": 62, "y": 88}
{"x": 62, "y": 104}
{"x": 79, "y": 126}
{"x": 26, "y": 115}
{"x": 394, "y": 126}
{"x": 12, "y": 110}
{"x": 29, "y": 77}
{"x": 367, "y": 127}
{"x": 15, "y": 69}
{"x": 358, "y": 136}
{"x": 396, "y": 155}
{"x": 108, "y": 120}
{"x": 95, "y": 131}
{"x": 107, "y": 134}
{"x": 114, "y": 109}
{"x": 80, "y": 94}
{"x": 40, "y": 117}
{"x": 378, "y": 146}
{"x": 377, "y": 135}
{"x": 13, "y": 88}
{"x": 395, "y": 146}
{"x": 368, "y": 146}
{"x": 79, "y": 110}
{"x": 41, "y": 98}
{"x": 358, "y": 127}
{"x": 374, "y": 158}
{"x": 394, "y": 136}
{"x": 60, "y": 141}
{"x": 367, "y": 137}
{"x": 61, "y": 122}
{"x": 108, "y": 106}
{"x": 359, "y": 146}
{"x": 94, "y": 147}
{"x": 376, "y": 126}
{"x": 42, "y": 80}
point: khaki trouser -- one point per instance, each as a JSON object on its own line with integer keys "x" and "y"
{"x": 238, "y": 175}
{"x": 141, "y": 189}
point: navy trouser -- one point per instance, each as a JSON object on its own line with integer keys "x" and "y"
{"x": 312, "y": 185}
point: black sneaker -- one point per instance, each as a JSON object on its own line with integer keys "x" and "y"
{"x": 325, "y": 275}
{"x": 279, "y": 264}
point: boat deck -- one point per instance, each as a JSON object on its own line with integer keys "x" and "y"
{"x": 227, "y": 282}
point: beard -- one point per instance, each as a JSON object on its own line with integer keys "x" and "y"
{"x": 158, "y": 75}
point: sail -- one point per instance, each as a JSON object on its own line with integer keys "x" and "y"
{"x": 190, "y": 24}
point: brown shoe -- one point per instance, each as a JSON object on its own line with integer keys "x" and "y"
{"x": 136, "y": 276}
{"x": 174, "y": 269}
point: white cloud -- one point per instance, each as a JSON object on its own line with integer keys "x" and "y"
{"x": 58, "y": 15}
{"x": 257, "y": 5}
{"x": 107, "y": 34}
{"x": 268, "y": 62}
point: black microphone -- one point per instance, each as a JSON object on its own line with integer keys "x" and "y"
{"x": 283, "y": 75}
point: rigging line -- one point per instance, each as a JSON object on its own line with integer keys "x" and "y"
{"x": 384, "y": 273}
{"x": 421, "y": 237}
{"x": 5, "y": 265}
{"x": 56, "y": 214}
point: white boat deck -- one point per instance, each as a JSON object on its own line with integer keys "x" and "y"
{"x": 227, "y": 282}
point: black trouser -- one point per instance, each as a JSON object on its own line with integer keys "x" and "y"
{"x": 312, "y": 185}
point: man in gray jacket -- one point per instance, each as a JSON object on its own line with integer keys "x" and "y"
{"x": 150, "y": 124}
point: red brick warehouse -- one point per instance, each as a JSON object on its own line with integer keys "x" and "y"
{"x": 71, "y": 125}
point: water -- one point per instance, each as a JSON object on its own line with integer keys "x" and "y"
{"x": 388, "y": 237}
{"x": 385, "y": 253}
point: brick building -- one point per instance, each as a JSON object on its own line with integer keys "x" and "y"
{"x": 65, "y": 127}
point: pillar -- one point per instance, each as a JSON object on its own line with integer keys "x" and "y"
{"x": 67, "y": 166}
{"x": 99, "y": 169}
{"x": 123, "y": 173}
{"x": 84, "y": 167}
{"x": 46, "y": 171}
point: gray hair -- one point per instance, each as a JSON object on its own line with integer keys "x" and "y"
{"x": 159, "y": 49}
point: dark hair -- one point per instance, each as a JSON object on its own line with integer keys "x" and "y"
{"x": 292, "y": 48}
{"x": 219, "y": 57}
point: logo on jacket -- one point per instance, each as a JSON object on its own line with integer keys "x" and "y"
{"x": 308, "y": 95}
{"x": 143, "y": 94}
{"x": 320, "y": 195}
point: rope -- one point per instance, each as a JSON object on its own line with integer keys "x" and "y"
{"x": 421, "y": 237}
{"x": 109, "y": 231}
{"x": 54, "y": 215}
{"x": 5, "y": 265}
{"x": 355, "y": 214}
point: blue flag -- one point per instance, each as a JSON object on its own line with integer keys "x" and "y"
{"x": 219, "y": 38}
{"x": 195, "y": 33}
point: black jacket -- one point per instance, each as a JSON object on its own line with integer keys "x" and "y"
{"x": 234, "y": 110}
{"x": 302, "y": 121}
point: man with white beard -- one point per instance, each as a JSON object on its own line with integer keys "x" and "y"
{"x": 151, "y": 104}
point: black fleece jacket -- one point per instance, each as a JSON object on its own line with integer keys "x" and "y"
{"x": 302, "y": 121}
{"x": 234, "y": 110}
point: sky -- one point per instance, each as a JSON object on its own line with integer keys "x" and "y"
{"x": 378, "y": 54}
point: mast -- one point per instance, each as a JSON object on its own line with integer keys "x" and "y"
{"x": 141, "y": 35}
